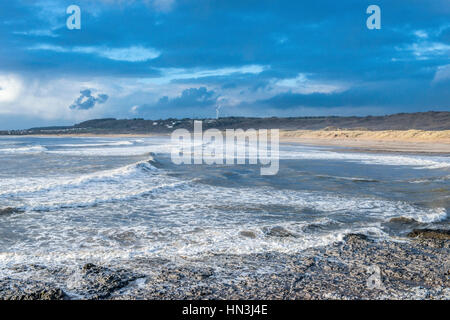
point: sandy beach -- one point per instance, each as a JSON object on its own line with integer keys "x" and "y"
{"x": 415, "y": 141}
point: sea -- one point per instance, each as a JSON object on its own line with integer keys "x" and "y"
{"x": 67, "y": 201}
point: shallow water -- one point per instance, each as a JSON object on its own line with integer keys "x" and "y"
{"x": 101, "y": 200}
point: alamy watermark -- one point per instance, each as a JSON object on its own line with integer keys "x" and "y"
{"x": 374, "y": 20}
{"x": 74, "y": 20}
{"x": 237, "y": 146}
{"x": 374, "y": 281}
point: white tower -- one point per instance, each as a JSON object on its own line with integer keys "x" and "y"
{"x": 218, "y": 111}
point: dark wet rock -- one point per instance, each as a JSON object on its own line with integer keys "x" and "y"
{"x": 88, "y": 267}
{"x": 407, "y": 271}
{"x": 436, "y": 234}
{"x": 278, "y": 232}
{"x": 356, "y": 238}
{"x": 404, "y": 220}
{"x": 9, "y": 211}
{"x": 248, "y": 234}
{"x": 174, "y": 274}
{"x": 28, "y": 268}
{"x": 342, "y": 270}
{"x": 99, "y": 282}
{"x": 124, "y": 238}
{"x": 12, "y": 289}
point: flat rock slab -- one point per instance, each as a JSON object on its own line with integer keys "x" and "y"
{"x": 430, "y": 234}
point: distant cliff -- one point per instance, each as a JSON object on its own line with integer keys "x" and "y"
{"x": 401, "y": 121}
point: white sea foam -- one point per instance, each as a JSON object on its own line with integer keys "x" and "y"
{"x": 119, "y": 184}
{"x": 99, "y": 144}
{"x": 23, "y": 150}
{"x": 429, "y": 180}
{"x": 300, "y": 152}
{"x": 191, "y": 219}
{"x": 164, "y": 146}
{"x": 132, "y": 150}
{"x": 138, "y": 210}
{"x": 416, "y": 161}
{"x": 23, "y": 186}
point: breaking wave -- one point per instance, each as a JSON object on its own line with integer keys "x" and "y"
{"x": 24, "y": 150}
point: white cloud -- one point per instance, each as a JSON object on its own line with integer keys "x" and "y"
{"x": 10, "y": 88}
{"x": 134, "y": 109}
{"x": 171, "y": 74}
{"x": 37, "y": 33}
{"x": 130, "y": 54}
{"x": 301, "y": 84}
{"x": 157, "y": 5}
{"x": 163, "y": 5}
{"x": 424, "y": 50}
{"x": 442, "y": 73}
{"x": 421, "y": 34}
{"x": 50, "y": 98}
{"x": 47, "y": 99}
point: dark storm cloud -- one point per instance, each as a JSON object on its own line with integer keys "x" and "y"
{"x": 87, "y": 101}
{"x": 191, "y": 102}
{"x": 392, "y": 95}
{"x": 193, "y": 97}
{"x": 326, "y": 39}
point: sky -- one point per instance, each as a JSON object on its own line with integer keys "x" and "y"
{"x": 158, "y": 59}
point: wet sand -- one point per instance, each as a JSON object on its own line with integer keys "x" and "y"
{"x": 93, "y": 135}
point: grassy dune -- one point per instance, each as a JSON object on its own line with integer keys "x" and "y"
{"x": 386, "y": 140}
{"x": 385, "y": 135}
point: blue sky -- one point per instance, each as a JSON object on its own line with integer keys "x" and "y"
{"x": 173, "y": 58}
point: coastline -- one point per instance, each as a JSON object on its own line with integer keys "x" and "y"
{"x": 409, "y": 141}
{"x": 403, "y": 141}
{"x": 89, "y": 135}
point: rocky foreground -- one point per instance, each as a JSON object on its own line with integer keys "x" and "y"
{"x": 357, "y": 268}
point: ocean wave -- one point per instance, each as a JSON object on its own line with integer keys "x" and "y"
{"x": 100, "y": 144}
{"x": 24, "y": 150}
{"x": 198, "y": 243}
{"x": 416, "y": 161}
{"x": 116, "y": 185}
{"x": 82, "y": 201}
{"x": 23, "y": 186}
{"x": 321, "y": 203}
{"x": 355, "y": 179}
{"x": 140, "y": 179}
{"x": 298, "y": 152}
{"x": 430, "y": 180}
{"x": 190, "y": 220}
{"x": 131, "y": 150}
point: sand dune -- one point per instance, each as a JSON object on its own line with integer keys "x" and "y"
{"x": 385, "y": 135}
{"x": 387, "y": 140}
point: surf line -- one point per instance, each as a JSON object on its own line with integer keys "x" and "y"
{"x": 236, "y": 147}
